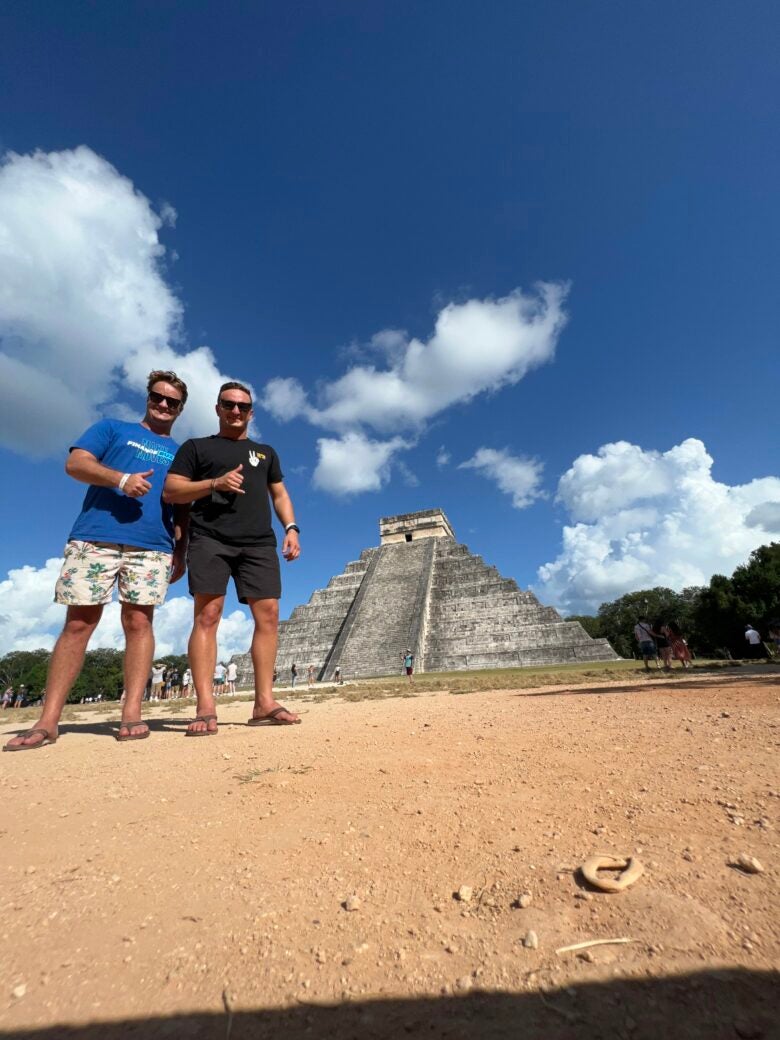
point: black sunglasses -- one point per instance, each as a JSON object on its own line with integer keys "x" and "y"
{"x": 172, "y": 402}
{"x": 242, "y": 406}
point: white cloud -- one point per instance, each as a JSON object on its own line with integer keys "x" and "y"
{"x": 476, "y": 347}
{"x": 354, "y": 463}
{"x": 643, "y": 518}
{"x": 29, "y": 618}
{"x": 285, "y": 399}
{"x": 443, "y": 457}
{"x": 765, "y": 515}
{"x": 408, "y": 475}
{"x": 85, "y": 311}
{"x": 515, "y": 475}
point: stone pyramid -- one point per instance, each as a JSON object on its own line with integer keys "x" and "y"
{"x": 420, "y": 589}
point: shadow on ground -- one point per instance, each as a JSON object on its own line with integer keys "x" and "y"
{"x": 711, "y": 1005}
{"x": 675, "y": 681}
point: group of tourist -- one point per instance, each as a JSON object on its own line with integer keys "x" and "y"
{"x": 661, "y": 642}
{"x": 21, "y": 697}
{"x": 152, "y": 511}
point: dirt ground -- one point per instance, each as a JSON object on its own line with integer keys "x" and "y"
{"x": 301, "y": 881}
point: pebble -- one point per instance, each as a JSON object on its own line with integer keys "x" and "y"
{"x": 463, "y": 983}
{"x": 586, "y": 955}
{"x": 525, "y": 900}
{"x": 749, "y": 864}
{"x": 531, "y": 941}
{"x": 19, "y": 991}
{"x": 464, "y": 893}
{"x": 352, "y": 903}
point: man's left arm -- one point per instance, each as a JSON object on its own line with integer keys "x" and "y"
{"x": 181, "y": 535}
{"x": 283, "y": 507}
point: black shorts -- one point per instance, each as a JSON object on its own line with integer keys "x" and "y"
{"x": 254, "y": 568}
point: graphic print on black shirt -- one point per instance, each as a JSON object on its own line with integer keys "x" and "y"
{"x": 230, "y": 518}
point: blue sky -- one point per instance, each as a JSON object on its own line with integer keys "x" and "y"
{"x": 352, "y": 206}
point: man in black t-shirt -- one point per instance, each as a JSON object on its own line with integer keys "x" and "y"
{"x": 231, "y": 482}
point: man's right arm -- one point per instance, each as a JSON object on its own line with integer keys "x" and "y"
{"x": 179, "y": 489}
{"x": 84, "y": 467}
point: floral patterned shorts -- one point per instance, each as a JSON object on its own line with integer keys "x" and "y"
{"x": 91, "y": 569}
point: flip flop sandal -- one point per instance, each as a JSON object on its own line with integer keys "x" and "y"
{"x": 271, "y": 718}
{"x": 130, "y": 736}
{"x": 206, "y": 732}
{"x": 48, "y": 739}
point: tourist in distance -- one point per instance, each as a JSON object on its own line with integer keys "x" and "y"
{"x": 231, "y": 482}
{"x": 186, "y": 683}
{"x": 408, "y": 659}
{"x": 293, "y": 674}
{"x": 643, "y": 633}
{"x": 219, "y": 679}
{"x": 680, "y": 649}
{"x": 123, "y": 536}
{"x": 755, "y": 645}
{"x": 231, "y": 676}
{"x": 662, "y": 644}
{"x": 309, "y": 676}
{"x": 158, "y": 678}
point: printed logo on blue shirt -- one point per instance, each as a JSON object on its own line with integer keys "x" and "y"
{"x": 148, "y": 451}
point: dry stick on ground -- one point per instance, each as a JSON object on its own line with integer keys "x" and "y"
{"x": 228, "y": 1005}
{"x": 593, "y": 942}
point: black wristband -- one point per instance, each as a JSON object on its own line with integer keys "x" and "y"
{"x": 292, "y": 527}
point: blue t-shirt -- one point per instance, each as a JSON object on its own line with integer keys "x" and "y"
{"x": 108, "y": 515}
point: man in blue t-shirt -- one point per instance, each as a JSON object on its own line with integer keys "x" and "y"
{"x": 126, "y": 536}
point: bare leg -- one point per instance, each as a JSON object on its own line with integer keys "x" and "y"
{"x": 202, "y": 651}
{"x": 266, "y": 617}
{"x": 64, "y": 667}
{"x": 139, "y": 653}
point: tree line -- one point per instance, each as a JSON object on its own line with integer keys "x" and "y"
{"x": 712, "y": 617}
{"x": 101, "y": 674}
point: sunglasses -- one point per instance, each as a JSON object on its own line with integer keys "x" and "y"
{"x": 171, "y": 402}
{"x": 242, "y": 406}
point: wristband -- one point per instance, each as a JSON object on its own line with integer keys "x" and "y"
{"x": 123, "y": 481}
{"x": 292, "y": 527}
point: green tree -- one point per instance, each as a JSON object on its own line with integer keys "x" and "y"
{"x": 750, "y": 596}
{"x": 102, "y": 673}
{"x": 592, "y": 625}
{"x": 25, "y": 666}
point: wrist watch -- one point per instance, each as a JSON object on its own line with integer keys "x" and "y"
{"x": 292, "y": 527}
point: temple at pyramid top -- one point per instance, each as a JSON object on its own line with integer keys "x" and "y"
{"x": 408, "y": 527}
{"x": 421, "y": 591}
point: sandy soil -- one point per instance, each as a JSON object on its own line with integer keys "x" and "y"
{"x": 198, "y": 887}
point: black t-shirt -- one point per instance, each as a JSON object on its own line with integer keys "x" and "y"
{"x": 230, "y": 518}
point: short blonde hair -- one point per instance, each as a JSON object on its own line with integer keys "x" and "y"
{"x": 159, "y": 376}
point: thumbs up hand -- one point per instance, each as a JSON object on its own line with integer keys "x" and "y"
{"x": 137, "y": 485}
{"x": 231, "y": 481}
